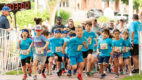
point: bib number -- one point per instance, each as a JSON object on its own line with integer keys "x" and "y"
{"x": 39, "y": 50}
{"x": 127, "y": 49}
{"x": 79, "y": 47}
{"x": 117, "y": 49}
{"x": 59, "y": 49}
{"x": 24, "y": 52}
{"x": 103, "y": 46}
{"x": 89, "y": 41}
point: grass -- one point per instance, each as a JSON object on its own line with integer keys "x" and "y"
{"x": 14, "y": 72}
{"x": 134, "y": 77}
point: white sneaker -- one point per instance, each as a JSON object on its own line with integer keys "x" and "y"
{"x": 130, "y": 74}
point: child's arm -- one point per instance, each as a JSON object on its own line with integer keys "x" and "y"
{"x": 113, "y": 49}
{"x": 64, "y": 47}
{"x": 30, "y": 47}
{"x": 46, "y": 45}
{"x": 85, "y": 44}
{"x": 96, "y": 41}
{"x": 18, "y": 47}
{"x": 98, "y": 51}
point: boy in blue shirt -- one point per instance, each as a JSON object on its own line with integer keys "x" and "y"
{"x": 56, "y": 48}
{"x": 75, "y": 53}
{"x": 104, "y": 49}
{"x": 87, "y": 53}
{"x": 24, "y": 45}
{"x": 40, "y": 44}
{"x": 118, "y": 48}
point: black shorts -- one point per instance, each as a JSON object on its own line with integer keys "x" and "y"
{"x": 126, "y": 58}
{"x": 47, "y": 60}
{"x": 59, "y": 57}
{"x": 85, "y": 53}
{"x": 135, "y": 51}
{"x": 26, "y": 60}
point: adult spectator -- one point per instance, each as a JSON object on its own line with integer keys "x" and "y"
{"x": 71, "y": 24}
{"x": 111, "y": 25}
{"x": 58, "y": 24}
{"x": 133, "y": 31}
{"x": 121, "y": 26}
{"x": 95, "y": 25}
{"x": 4, "y": 22}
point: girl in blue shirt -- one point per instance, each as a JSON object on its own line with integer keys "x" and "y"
{"x": 24, "y": 45}
{"x": 127, "y": 54}
{"x": 118, "y": 47}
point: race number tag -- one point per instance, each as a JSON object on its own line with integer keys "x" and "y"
{"x": 79, "y": 47}
{"x": 59, "y": 49}
{"x": 89, "y": 41}
{"x": 117, "y": 49}
{"x": 24, "y": 52}
{"x": 39, "y": 50}
{"x": 103, "y": 46}
{"x": 127, "y": 49}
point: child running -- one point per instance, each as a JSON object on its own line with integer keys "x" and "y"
{"x": 118, "y": 47}
{"x": 75, "y": 53}
{"x": 104, "y": 49}
{"x": 24, "y": 44}
{"x": 40, "y": 44}
{"x": 127, "y": 54}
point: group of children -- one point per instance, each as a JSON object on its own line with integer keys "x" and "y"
{"x": 75, "y": 51}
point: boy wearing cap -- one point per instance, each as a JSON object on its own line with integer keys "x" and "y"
{"x": 40, "y": 44}
{"x": 75, "y": 54}
{"x": 56, "y": 48}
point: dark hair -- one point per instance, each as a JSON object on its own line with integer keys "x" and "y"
{"x": 121, "y": 20}
{"x": 27, "y": 36}
{"x": 45, "y": 32}
{"x": 37, "y": 20}
{"x": 95, "y": 20}
{"x": 116, "y": 30}
{"x": 106, "y": 31}
{"x": 89, "y": 23}
{"x": 72, "y": 32}
{"x": 135, "y": 16}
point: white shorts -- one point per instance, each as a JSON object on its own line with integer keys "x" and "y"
{"x": 41, "y": 59}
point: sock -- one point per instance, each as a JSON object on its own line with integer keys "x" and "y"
{"x": 62, "y": 65}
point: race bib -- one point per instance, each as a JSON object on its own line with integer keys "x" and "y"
{"x": 103, "y": 46}
{"x": 118, "y": 49}
{"x": 59, "y": 49}
{"x": 89, "y": 41}
{"x": 79, "y": 47}
{"x": 24, "y": 52}
{"x": 39, "y": 50}
{"x": 127, "y": 49}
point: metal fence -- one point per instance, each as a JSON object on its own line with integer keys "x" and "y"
{"x": 9, "y": 55}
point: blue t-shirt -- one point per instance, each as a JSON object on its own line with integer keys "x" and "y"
{"x": 104, "y": 46}
{"x": 75, "y": 46}
{"x": 118, "y": 44}
{"x": 39, "y": 42}
{"x": 128, "y": 46}
{"x": 49, "y": 53}
{"x": 24, "y": 45}
{"x": 57, "y": 45}
{"x": 134, "y": 26}
{"x": 90, "y": 43}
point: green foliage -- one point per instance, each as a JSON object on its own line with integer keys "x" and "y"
{"x": 26, "y": 17}
{"x": 103, "y": 19}
{"x": 14, "y": 72}
{"x": 134, "y": 77}
{"x": 64, "y": 14}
